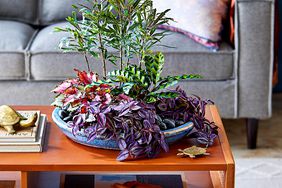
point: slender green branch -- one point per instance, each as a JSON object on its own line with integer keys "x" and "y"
{"x": 121, "y": 36}
{"x": 102, "y": 55}
{"x": 87, "y": 62}
{"x": 120, "y": 56}
{"x": 127, "y": 63}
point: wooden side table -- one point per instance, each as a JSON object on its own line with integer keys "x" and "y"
{"x": 62, "y": 154}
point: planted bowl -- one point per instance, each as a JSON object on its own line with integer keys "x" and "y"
{"x": 171, "y": 135}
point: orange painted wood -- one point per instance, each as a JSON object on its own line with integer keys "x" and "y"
{"x": 24, "y": 179}
{"x": 217, "y": 178}
{"x": 230, "y": 172}
{"x": 62, "y": 154}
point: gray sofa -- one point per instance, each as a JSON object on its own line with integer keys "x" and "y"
{"x": 238, "y": 80}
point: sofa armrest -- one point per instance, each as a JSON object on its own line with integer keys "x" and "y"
{"x": 254, "y": 23}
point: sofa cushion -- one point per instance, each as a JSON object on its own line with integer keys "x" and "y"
{"x": 201, "y": 20}
{"x": 49, "y": 63}
{"x": 14, "y": 40}
{"x": 223, "y": 93}
{"x": 20, "y": 10}
{"x": 52, "y": 11}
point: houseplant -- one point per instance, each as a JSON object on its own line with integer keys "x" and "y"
{"x": 132, "y": 105}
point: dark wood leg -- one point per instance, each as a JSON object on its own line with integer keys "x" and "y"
{"x": 252, "y": 132}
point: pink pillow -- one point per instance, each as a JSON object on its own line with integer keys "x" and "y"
{"x": 201, "y": 20}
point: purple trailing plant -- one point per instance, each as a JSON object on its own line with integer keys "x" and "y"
{"x": 189, "y": 108}
{"x": 137, "y": 133}
{"x": 131, "y": 123}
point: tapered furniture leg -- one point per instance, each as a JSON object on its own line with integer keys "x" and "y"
{"x": 252, "y": 132}
{"x": 24, "y": 179}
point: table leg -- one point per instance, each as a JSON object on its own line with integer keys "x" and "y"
{"x": 24, "y": 179}
{"x": 230, "y": 176}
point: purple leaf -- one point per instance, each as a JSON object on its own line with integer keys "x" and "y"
{"x": 142, "y": 140}
{"x": 119, "y": 107}
{"x": 164, "y": 146}
{"x": 150, "y": 137}
{"x": 162, "y": 106}
{"x": 77, "y": 119}
{"x": 122, "y": 144}
{"x": 146, "y": 124}
{"x": 124, "y": 112}
{"x": 152, "y": 117}
{"x": 135, "y": 107}
{"x": 94, "y": 109}
{"x": 142, "y": 114}
{"x": 107, "y": 110}
{"x": 101, "y": 119}
{"x": 75, "y": 130}
{"x": 137, "y": 151}
{"x": 156, "y": 128}
{"x": 124, "y": 154}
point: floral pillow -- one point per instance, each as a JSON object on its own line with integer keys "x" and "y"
{"x": 201, "y": 20}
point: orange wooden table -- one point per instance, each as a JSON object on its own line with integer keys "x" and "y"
{"x": 62, "y": 154}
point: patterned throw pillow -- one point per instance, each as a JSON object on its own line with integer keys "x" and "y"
{"x": 201, "y": 20}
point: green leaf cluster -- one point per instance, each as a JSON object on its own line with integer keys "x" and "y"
{"x": 147, "y": 84}
{"x": 129, "y": 27}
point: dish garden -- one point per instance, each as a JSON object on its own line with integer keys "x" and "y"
{"x": 134, "y": 106}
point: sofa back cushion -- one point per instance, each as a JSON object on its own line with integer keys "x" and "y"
{"x": 53, "y": 11}
{"x": 201, "y": 20}
{"x": 19, "y": 10}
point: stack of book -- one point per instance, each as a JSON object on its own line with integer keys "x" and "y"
{"x": 29, "y": 139}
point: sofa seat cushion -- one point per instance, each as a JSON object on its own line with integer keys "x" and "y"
{"x": 186, "y": 56}
{"x": 15, "y": 37}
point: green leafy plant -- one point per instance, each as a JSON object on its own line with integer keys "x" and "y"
{"x": 127, "y": 26}
{"x": 89, "y": 35}
{"x": 132, "y": 104}
{"x": 147, "y": 84}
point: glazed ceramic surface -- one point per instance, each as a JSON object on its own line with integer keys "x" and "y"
{"x": 171, "y": 135}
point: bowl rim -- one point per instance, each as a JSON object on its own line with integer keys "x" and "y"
{"x": 59, "y": 122}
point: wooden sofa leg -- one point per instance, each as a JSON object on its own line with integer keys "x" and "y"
{"x": 252, "y": 132}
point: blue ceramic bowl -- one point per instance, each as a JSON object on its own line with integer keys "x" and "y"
{"x": 171, "y": 135}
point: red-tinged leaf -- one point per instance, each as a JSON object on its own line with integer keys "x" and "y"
{"x": 124, "y": 97}
{"x": 83, "y": 77}
{"x": 75, "y": 102}
{"x": 62, "y": 87}
{"x": 71, "y": 91}
{"x": 104, "y": 86}
{"x": 83, "y": 110}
